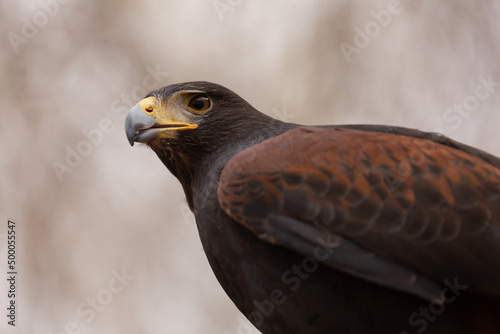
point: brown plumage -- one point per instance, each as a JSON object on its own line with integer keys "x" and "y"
{"x": 338, "y": 229}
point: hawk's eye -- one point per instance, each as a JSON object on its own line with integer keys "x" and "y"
{"x": 200, "y": 103}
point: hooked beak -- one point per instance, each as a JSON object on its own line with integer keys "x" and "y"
{"x": 142, "y": 124}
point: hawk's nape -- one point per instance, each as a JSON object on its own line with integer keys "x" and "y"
{"x": 332, "y": 229}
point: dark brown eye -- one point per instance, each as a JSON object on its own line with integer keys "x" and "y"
{"x": 200, "y": 103}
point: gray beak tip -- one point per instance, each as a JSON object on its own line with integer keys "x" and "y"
{"x": 130, "y": 129}
{"x": 137, "y": 120}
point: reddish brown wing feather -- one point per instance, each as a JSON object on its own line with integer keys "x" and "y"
{"x": 427, "y": 206}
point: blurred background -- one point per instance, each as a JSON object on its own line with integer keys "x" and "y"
{"x": 105, "y": 241}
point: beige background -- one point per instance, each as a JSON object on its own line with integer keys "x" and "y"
{"x": 83, "y": 64}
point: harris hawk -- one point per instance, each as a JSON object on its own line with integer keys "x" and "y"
{"x": 332, "y": 229}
